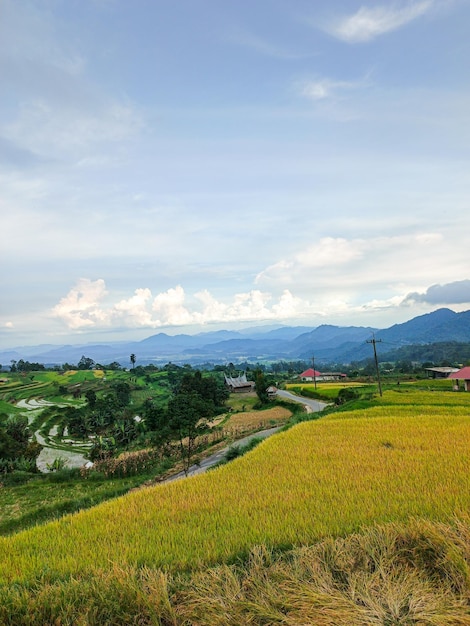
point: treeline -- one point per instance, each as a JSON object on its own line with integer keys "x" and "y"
{"x": 25, "y": 366}
{"x": 444, "y": 353}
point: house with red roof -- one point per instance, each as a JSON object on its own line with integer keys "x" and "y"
{"x": 311, "y": 375}
{"x": 463, "y": 374}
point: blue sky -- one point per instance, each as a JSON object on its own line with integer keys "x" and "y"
{"x": 187, "y": 165}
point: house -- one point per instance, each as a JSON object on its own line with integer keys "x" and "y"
{"x": 440, "y": 372}
{"x": 271, "y": 391}
{"x": 239, "y": 384}
{"x": 309, "y": 375}
{"x": 463, "y": 374}
{"x": 332, "y": 376}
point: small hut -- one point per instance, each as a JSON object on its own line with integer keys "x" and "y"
{"x": 272, "y": 392}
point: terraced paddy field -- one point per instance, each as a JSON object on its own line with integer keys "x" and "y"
{"x": 392, "y": 462}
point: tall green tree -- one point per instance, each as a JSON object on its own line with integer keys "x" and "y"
{"x": 187, "y": 419}
{"x": 85, "y": 363}
{"x": 260, "y": 387}
{"x": 123, "y": 393}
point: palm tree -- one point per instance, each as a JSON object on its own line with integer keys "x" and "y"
{"x": 132, "y": 358}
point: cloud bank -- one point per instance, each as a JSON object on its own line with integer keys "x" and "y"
{"x": 457, "y": 292}
{"x": 84, "y": 308}
{"x": 369, "y": 23}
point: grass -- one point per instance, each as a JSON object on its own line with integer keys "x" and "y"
{"x": 250, "y": 420}
{"x": 42, "y": 498}
{"x": 242, "y": 401}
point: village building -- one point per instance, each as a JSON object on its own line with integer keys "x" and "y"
{"x": 311, "y": 375}
{"x": 239, "y": 384}
{"x": 271, "y": 391}
{"x": 440, "y": 372}
{"x": 462, "y": 374}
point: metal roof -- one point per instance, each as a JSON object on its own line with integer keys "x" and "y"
{"x": 463, "y": 374}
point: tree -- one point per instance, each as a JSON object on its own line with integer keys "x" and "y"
{"x": 132, "y": 358}
{"x": 260, "y": 387}
{"x": 187, "y": 419}
{"x": 211, "y": 389}
{"x": 90, "y": 395}
{"x": 125, "y": 430}
{"x": 15, "y": 444}
{"x": 123, "y": 393}
{"x": 85, "y": 363}
{"x": 17, "y": 428}
{"x": 114, "y": 366}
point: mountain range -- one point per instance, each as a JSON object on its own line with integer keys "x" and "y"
{"x": 327, "y": 343}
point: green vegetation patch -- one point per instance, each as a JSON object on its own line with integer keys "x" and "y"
{"x": 44, "y": 497}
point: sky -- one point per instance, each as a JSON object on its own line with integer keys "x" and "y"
{"x": 189, "y": 165}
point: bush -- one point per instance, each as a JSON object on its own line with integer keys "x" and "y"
{"x": 57, "y": 464}
{"x": 15, "y": 478}
{"x": 21, "y": 464}
{"x": 346, "y": 395}
{"x": 64, "y": 475}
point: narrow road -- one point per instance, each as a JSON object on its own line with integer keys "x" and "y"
{"x": 211, "y": 460}
{"x": 312, "y": 406}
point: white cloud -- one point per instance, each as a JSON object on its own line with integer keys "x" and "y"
{"x": 364, "y": 274}
{"x": 368, "y": 23}
{"x": 327, "y": 253}
{"x": 83, "y": 308}
{"x": 80, "y": 307}
{"x": 134, "y": 310}
{"x": 169, "y": 306}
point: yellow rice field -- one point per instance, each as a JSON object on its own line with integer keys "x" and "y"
{"x": 328, "y": 477}
{"x": 418, "y": 397}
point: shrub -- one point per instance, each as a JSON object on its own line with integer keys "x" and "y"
{"x": 346, "y": 395}
{"x": 127, "y": 464}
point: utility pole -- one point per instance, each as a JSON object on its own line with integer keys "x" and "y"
{"x": 373, "y": 341}
{"x": 314, "y": 375}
